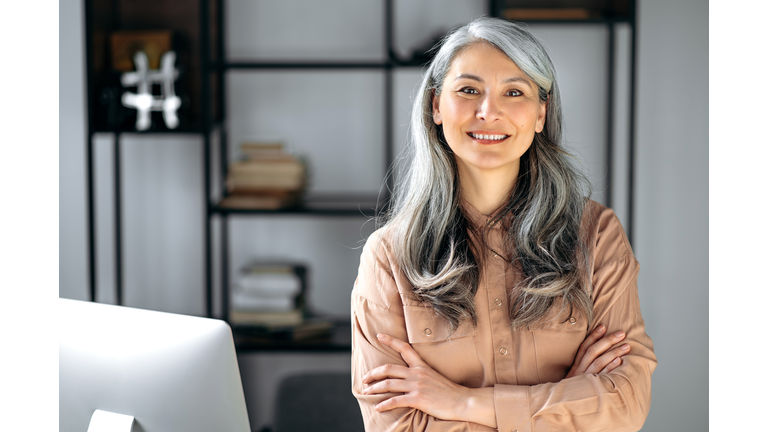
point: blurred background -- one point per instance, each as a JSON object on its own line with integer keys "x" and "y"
{"x": 175, "y": 252}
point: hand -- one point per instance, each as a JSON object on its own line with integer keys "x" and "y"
{"x": 594, "y": 357}
{"x": 421, "y": 386}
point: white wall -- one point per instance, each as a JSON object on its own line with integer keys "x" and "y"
{"x": 162, "y": 176}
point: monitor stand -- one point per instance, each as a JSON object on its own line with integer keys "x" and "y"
{"x": 105, "y": 421}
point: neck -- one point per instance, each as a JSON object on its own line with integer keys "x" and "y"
{"x": 486, "y": 190}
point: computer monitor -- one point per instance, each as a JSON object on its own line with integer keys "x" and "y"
{"x": 170, "y": 372}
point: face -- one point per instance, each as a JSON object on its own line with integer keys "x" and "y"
{"x": 489, "y": 109}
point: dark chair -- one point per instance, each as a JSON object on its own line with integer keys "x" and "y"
{"x": 317, "y": 402}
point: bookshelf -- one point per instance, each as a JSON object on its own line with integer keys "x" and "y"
{"x": 200, "y": 26}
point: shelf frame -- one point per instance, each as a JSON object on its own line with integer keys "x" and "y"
{"x": 208, "y": 125}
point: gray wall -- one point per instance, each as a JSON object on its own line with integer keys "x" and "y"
{"x": 162, "y": 181}
{"x": 672, "y": 236}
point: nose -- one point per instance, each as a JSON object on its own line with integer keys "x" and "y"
{"x": 489, "y": 109}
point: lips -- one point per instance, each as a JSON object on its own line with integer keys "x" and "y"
{"x": 487, "y": 136}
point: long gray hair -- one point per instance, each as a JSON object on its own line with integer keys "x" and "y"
{"x": 542, "y": 216}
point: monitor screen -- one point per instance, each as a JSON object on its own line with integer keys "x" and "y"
{"x": 170, "y": 372}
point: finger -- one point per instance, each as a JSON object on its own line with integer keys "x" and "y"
{"x": 388, "y": 386}
{"x": 405, "y": 349}
{"x": 395, "y": 402}
{"x": 611, "y": 366}
{"x": 592, "y": 352}
{"x": 591, "y": 338}
{"x": 604, "y": 360}
{"x": 384, "y": 372}
{"x": 600, "y": 347}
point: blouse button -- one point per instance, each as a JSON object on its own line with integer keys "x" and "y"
{"x": 498, "y": 302}
{"x": 572, "y": 320}
{"x": 427, "y": 331}
{"x": 503, "y": 351}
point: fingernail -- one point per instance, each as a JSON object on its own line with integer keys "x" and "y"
{"x": 617, "y": 360}
{"x": 625, "y": 347}
{"x": 600, "y": 328}
{"x": 619, "y": 334}
{"x": 380, "y": 336}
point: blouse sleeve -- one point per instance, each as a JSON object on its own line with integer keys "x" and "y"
{"x": 617, "y": 401}
{"x": 377, "y": 308}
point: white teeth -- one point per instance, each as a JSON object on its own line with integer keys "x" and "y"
{"x": 488, "y": 137}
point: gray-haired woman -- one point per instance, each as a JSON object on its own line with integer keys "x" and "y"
{"x": 496, "y": 296}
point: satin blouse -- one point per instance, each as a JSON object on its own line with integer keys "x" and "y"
{"x": 526, "y": 368}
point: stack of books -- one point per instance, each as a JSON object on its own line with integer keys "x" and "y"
{"x": 267, "y": 301}
{"x": 267, "y": 178}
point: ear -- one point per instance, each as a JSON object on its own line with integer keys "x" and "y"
{"x": 542, "y": 118}
{"x": 436, "y": 116}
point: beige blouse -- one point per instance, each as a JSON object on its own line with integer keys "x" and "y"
{"x": 526, "y": 368}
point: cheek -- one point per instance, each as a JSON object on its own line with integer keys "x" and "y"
{"x": 455, "y": 111}
{"x": 525, "y": 118}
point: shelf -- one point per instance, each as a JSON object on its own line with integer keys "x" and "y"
{"x": 393, "y": 62}
{"x": 160, "y": 129}
{"x": 299, "y": 65}
{"x": 340, "y": 340}
{"x": 150, "y": 132}
{"x": 318, "y": 205}
{"x": 585, "y": 21}
{"x": 564, "y": 11}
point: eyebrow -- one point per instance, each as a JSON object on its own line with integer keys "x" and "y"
{"x": 506, "y": 81}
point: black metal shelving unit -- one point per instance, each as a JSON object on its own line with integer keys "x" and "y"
{"x": 211, "y": 13}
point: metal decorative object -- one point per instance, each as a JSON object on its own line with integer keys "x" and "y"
{"x": 144, "y": 101}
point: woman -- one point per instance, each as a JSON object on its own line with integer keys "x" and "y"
{"x": 476, "y": 302}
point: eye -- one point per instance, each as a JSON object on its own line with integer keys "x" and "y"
{"x": 468, "y": 90}
{"x": 514, "y": 93}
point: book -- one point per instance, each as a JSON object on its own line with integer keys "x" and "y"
{"x": 269, "y": 284}
{"x": 245, "y": 302}
{"x": 546, "y": 14}
{"x": 126, "y": 43}
{"x": 254, "y": 150}
{"x": 286, "y": 166}
{"x": 313, "y": 328}
{"x": 266, "y": 319}
{"x": 252, "y": 176}
{"x": 259, "y": 202}
{"x": 266, "y": 181}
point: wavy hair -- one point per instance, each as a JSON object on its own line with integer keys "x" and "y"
{"x": 541, "y": 217}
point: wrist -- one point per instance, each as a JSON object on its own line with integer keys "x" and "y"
{"x": 478, "y": 407}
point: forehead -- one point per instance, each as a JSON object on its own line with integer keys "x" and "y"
{"x": 484, "y": 60}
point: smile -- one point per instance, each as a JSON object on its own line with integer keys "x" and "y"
{"x": 488, "y": 137}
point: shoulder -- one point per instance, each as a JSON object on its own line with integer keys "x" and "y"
{"x": 377, "y": 252}
{"x": 378, "y": 278}
{"x": 604, "y": 235}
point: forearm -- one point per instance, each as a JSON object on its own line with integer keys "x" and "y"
{"x": 599, "y": 403}
{"x": 479, "y": 407}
